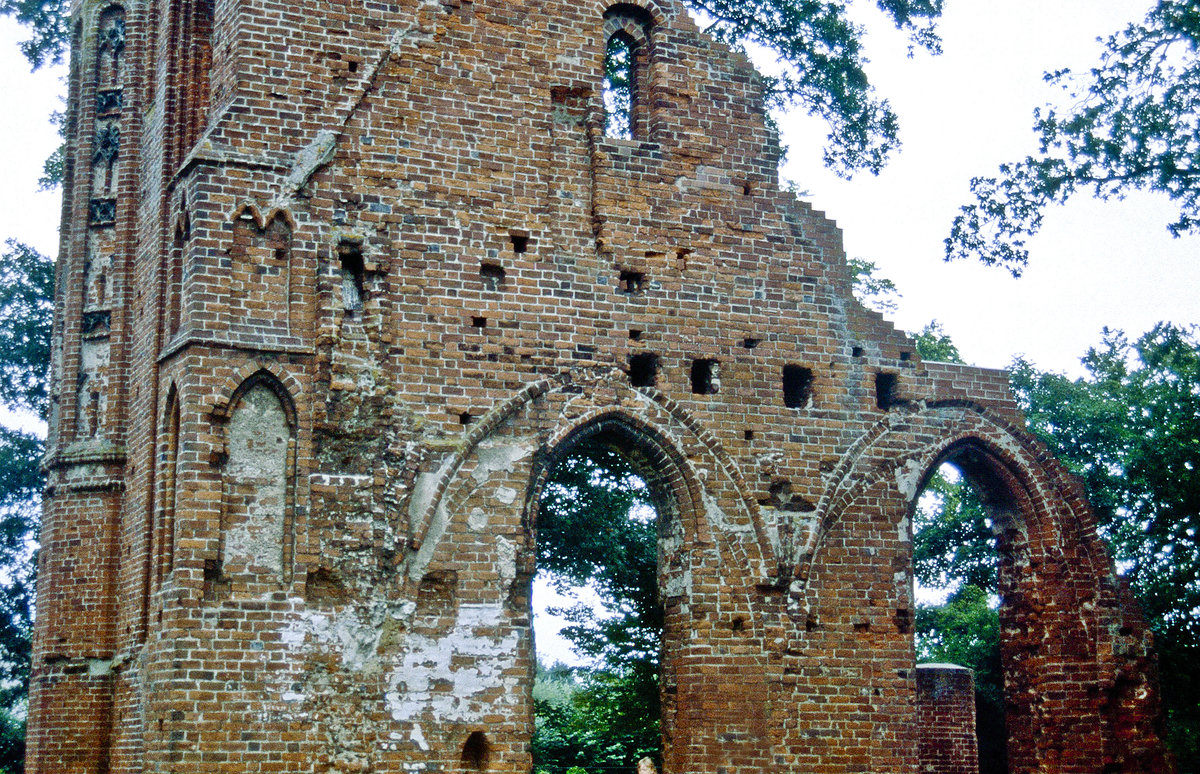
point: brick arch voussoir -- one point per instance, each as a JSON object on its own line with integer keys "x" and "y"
{"x": 1049, "y": 496}
{"x": 664, "y": 456}
{"x": 248, "y": 209}
{"x": 284, "y": 383}
{"x": 436, "y": 499}
{"x": 660, "y": 11}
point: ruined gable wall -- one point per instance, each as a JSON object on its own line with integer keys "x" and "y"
{"x": 440, "y": 144}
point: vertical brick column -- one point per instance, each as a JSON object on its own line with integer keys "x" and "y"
{"x": 946, "y": 720}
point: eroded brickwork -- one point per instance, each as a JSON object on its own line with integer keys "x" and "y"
{"x": 340, "y": 283}
{"x": 946, "y": 717}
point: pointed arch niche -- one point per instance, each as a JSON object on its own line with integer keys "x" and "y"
{"x": 257, "y": 491}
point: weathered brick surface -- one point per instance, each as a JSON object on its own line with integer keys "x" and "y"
{"x": 369, "y": 271}
{"x": 946, "y": 717}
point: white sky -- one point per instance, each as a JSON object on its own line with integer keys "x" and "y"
{"x": 962, "y": 113}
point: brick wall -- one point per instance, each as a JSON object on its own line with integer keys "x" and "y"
{"x": 402, "y": 249}
{"x": 946, "y": 718}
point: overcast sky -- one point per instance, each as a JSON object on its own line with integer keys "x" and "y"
{"x": 962, "y": 113}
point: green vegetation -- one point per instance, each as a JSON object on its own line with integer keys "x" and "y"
{"x": 1130, "y": 123}
{"x": 597, "y": 528}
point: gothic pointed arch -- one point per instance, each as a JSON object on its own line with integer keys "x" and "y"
{"x": 256, "y": 540}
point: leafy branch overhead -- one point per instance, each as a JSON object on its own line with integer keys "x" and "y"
{"x": 820, "y": 51}
{"x": 1132, "y": 124}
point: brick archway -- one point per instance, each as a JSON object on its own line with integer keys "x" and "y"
{"x": 1074, "y": 654}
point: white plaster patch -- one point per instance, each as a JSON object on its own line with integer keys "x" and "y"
{"x": 357, "y": 639}
{"x": 506, "y": 495}
{"x": 717, "y": 517}
{"x": 446, "y": 676}
{"x": 908, "y": 479}
{"x": 498, "y": 455}
{"x": 99, "y": 667}
{"x": 679, "y": 584}
{"x": 418, "y": 738}
{"x": 477, "y": 520}
{"x": 506, "y": 560}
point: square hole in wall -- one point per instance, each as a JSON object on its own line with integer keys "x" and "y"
{"x": 479, "y": 322}
{"x": 492, "y": 275}
{"x": 643, "y": 369}
{"x": 706, "y": 377}
{"x": 632, "y": 282}
{"x": 856, "y": 352}
{"x": 797, "y": 386}
{"x": 520, "y": 243}
{"x": 635, "y": 334}
{"x": 750, "y": 342}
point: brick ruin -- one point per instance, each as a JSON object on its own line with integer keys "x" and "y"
{"x": 341, "y": 281}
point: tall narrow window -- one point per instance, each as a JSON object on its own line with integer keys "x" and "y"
{"x": 619, "y": 83}
{"x": 626, "y": 61}
{"x": 175, "y": 277}
{"x": 165, "y": 537}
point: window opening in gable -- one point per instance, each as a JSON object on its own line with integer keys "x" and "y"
{"x": 620, "y": 76}
{"x": 706, "y": 379}
{"x": 492, "y": 275}
{"x": 643, "y": 369}
{"x": 885, "y": 390}
{"x": 632, "y": 282}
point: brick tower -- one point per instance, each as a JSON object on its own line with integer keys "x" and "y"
{"x": 340, "y": 281}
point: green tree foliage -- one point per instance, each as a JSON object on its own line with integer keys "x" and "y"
{"x": 26, "y": 287}
{"x": 594, "y": 720}
{"x": 933, "y": 343}
{"x": 46, "y": 21}
{"x": 873, "y": 291}
{"x": 597, "y": 528}
{"x": 820, "y": 53}
{"x": 1130, "y": 123}
{"x": 1131, "y": 430}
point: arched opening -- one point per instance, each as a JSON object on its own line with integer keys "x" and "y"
{"x": 620, "y": 81}
{"x": 255, "y": 548}
{"x": 957, "y": 567}
{"x": 626, "y": 59}
{"x": 603, "y": 512}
